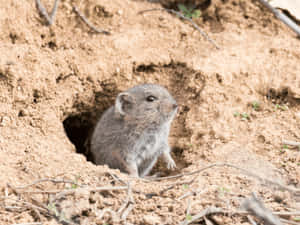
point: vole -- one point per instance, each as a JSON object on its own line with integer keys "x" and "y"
{"x": 133, "y": 133}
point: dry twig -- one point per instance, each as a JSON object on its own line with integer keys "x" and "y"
{"x": 177, "y": 183}
{"x": 251, "y": 220}
{"x": 50, "y": 19}
{"x": 90, "y": 25}
{"x": 40, "y": 205}
{"x": 246, "y": 172}
{"x": 292, "y": 143}
{"x": 35, "y": 223}
{"x": 62, "y": 193}
{"x": 281, "y": 16}
{"x": 185, "y": 18}
{"x": 257, "y": 208}
{"x": 116, "y": 178}
{"x": 129, "y": 203}
{"x": 112, "y": 213}
{"x": 289, "y": 222}
{"x": 26, "y": 205}
{"x": 208, "y": 221}
{"x": 187, "y": 194}
{"x": 124, "y": 210}
{"x": 46, "y": 180}
{"x": 36, "y": 205}
{"x": 213, "y": 210}
{"x": 205, "y": 212}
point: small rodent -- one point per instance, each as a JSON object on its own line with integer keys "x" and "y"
{"x": 133, "y": 133}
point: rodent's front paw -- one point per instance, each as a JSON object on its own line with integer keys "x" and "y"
{"x": 171, "y": 165}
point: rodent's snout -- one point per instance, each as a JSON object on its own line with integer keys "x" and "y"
{"x": 169, "y": 108}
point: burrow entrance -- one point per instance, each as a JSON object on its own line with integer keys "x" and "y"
{"x": 176, "y": 76}
{"x": 283, "y": 95}
{"x": 80, "y": 125}
{"x": 78, "y": 128}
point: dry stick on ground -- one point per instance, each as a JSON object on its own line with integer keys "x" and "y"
{"x": 116, "y": 178}
{"x": 188, "y": 208}
{"x": 177, "y": 183}
{"x": 50, "y": 19}
{"x": 20, "y": 205}
{"x": 41, "y": 192}
{"x": 121, "y": 209}
{"x": 281, "y": 16}
{"x": 292, "y": 143}
{"x": 296, "y": 213}
{"x": 205, "y": 212}
{"x": 37, "y": 223}
{"x": 25, "y": 205}
{"x": 63, "y": 193}
{"x": 85, "y": 20}
{"x": 112, "y": 213}
{"x": 251, "y": 220}
{"x": 208, "y": 221}
{"x": 185, "y": 18}
{"x": 213, "y": 210}
{"x": 257, "y": 208}
{"x": 124, "y": 210}
{"x": 129, "y": 203}
{"x": 37, "y": 205}
{"x": 71, "y": 191}
{"x": 246, "y": 172}
{"x": 46, "y": 180}
{"x": 289, "y": 222}
{"x": 189, "y": 193}
{"x": 209, "y": 212}
{"x": 36, "y": 209}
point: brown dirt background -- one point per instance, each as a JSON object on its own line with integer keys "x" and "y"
{"x": 51, "y": 74}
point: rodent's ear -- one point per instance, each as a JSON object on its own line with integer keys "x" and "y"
{"x": 123, "y": 103}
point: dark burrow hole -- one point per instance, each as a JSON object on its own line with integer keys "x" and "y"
{"x": 278, "y": 96}
{"x": 80, "y": 125}
{"x": 78, "y": 128}
{"x": 282, "y": 96}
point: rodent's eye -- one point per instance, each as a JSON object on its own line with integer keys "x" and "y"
{"x": 151, "y": 98}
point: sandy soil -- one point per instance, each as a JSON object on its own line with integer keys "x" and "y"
{"x": 237, "y": 104}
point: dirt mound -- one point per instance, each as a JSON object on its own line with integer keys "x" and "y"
{"x": 237, "y": 104}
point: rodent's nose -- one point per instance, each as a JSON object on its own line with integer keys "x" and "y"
{"x": 175, "y": 106}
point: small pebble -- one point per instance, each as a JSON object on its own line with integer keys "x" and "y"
{"x": 297, "y": 115}
{"x": 23, "y": 112}
{"x": 4, "y": 121}
{"x": 120, "y": 12}
{"x": 280, "y": 196}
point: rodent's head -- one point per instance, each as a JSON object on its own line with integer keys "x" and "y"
{"x": 149, "y": 103}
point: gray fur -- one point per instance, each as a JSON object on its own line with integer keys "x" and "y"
{"x": 133, "y": 133}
